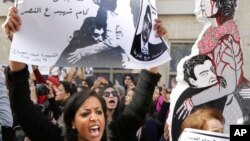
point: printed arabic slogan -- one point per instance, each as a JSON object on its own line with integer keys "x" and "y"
{"x": 89, "y": 33}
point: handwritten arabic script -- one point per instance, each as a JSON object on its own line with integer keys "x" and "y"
{"x": 35, "y": 56}
{"x": 47, "y": 13}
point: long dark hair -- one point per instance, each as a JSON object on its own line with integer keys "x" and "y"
{"x": 70, "y": 109}
{"x": 129, "y": 75}
{"x": 116, "y": 111}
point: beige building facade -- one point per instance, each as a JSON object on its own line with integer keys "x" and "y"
{"x": 183, "y": 28}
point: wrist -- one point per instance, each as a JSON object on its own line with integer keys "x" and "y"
{"x": 16, "y": 66}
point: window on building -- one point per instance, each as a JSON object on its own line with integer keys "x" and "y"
{"x": 178, "y": 51}
{"x": 114, "y": 74}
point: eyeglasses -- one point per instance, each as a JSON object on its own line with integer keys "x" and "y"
{"x": 107, "y": 94}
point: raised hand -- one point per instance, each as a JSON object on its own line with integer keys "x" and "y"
{"x": 160, "y": 29}
{"x": 12, "y": 23}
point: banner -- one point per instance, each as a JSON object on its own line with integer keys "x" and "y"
{"x": 89, "y": 33}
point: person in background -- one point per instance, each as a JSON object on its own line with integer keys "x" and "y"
{"x": 110, "y": 95}
{"x": 131, "y": 85}
{"x": 205, "y": 118}
{"x": 156, "y": 95}
{"x": 129, "y": 96}
{"x": 84, "y": 117}
{"x": 6, "y": 118}
{"x": 162, "y": 115}
{"x": 152, "y": 128}
{"x": 120, "y": 89}
{"x": 165, "y": 94}
{"x": 127, "y": 79}
{"x": 99, "y": 83}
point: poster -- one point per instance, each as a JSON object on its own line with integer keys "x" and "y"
{"x": 89, "y": 33}
{"x": 212, "y": 75}
{"x": 200, "y": 135}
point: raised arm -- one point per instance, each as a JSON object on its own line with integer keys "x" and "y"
{"x": 33, "y": 122}
{"x": 6, "y": 118}
{"x": 132, "y": 118}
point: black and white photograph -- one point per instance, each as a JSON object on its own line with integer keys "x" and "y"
{"x": 101, "y": 34}
{"x": 143, "y": 48}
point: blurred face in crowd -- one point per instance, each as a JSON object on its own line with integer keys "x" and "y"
{"x": 85, "y": 84}
{"x": 214, "y": 125}
{"x": 166, "y": 94}
{"x": 89, "y": 120}
{"x": 127, "y": 80}
{"x": 156, "y": 94}
{"x": 208, "y": 8}
{"x": 111, "y": 98}
{"x": 61, "y": 94}
{"x": 128, "y": 97}
{"x": 131, "y": 85}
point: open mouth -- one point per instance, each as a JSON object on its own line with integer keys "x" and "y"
{"x": 94, "y": 131}
{"x": 112, "y": 102}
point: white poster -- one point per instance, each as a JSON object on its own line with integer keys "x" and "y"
{"x": 201, "y": 135}
{"x": 89, "y": 33}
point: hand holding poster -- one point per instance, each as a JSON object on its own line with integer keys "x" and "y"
{"x": 88, "y": 33}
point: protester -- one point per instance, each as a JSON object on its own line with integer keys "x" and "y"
{"x": 129, "y": 96}
{"x": 37, "y": 127}
{"x": 6, "y": 119}
{"x": 127, "y": 79}
{"x": 205, "y": 118}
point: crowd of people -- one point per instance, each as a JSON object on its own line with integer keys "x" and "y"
{"x": 45, "y": 108}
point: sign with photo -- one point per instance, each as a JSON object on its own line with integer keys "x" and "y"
{"x": 92, "y": 33}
